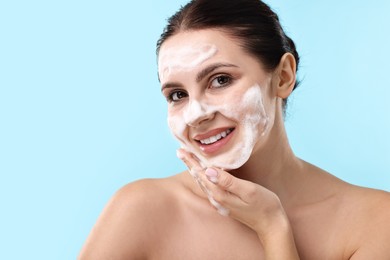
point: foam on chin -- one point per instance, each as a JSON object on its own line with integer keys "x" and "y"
{"x": 252, "y": 121}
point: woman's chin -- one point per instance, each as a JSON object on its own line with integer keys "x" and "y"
{"x": 229, "y": 160}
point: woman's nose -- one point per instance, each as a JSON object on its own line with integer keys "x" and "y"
{"x": 196, "y": 113}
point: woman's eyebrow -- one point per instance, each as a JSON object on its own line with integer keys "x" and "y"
{"x": 203, "y": 73}
{"x": 171, "y": 85}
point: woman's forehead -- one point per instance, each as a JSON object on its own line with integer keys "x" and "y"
{"x": 188, "y": 50}
{"x": 197, "y": 39}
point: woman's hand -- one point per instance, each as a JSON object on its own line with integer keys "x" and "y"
{"x": 250, "y": 203}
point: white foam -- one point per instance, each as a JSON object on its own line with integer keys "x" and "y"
{"x": 183, "y": 58}
{"x": 193, "y": 112}
{"x": 250, "y": 115}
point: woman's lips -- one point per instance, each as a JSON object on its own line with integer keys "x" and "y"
{"x": 213, "y": 141}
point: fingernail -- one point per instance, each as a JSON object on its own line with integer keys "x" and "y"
{"x": 180, "y": 154}
{"x": 211, "y": 175}
{"x": 210, "y": 172}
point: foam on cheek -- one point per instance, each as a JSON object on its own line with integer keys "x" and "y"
{"x": 177, "y": 126}
{"x": 249, "y": 114}
{"x": 184, "y": 59}
{"x": 252, "y": 121}
{"x": 188, "y": 117}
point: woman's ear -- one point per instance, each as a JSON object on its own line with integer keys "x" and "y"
{"x": 286, "y": 75}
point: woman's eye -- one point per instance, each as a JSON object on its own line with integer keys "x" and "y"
{"x": 177, "y": 96}
{"x": 220, "y": 81}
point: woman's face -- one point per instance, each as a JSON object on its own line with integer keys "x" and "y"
{"x": 219, "y": 97}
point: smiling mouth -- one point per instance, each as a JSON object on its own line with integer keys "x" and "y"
{"x": 216, "y": 138}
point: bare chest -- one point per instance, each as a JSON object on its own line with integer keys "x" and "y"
{"x": 198, "y": 238}
{"x": 195, "y": 238}
{"x": 321, "y": 235}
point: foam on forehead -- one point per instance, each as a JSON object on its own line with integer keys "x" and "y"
{"x": 184, "y": 58}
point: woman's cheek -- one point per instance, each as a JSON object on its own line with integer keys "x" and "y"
{"x": 176, "y": 124}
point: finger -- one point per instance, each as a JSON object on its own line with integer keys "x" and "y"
{"x": 220, "y": 193}
{"x": 221, "y": 209}
{"x": 223, "y": 179}
{"x": 190, "y": 161}
{"x": 230, "y": 184}
{"x": 195, "y": 169}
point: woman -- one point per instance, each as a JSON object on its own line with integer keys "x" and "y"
{"x": 226, "y": 69}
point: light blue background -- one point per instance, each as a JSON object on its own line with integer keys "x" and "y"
{"x": 81, "y": 113}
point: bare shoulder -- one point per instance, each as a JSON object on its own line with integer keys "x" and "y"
{"x": 370, "y": 203}
{"x": 131, "y": 220}
{"x": 146, "y": 192}
{"x": 370, "y": 215}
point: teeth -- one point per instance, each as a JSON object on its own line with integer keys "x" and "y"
{"x": 215, "y": 138}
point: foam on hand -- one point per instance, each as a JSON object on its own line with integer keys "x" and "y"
{"x": 220, "y": 209}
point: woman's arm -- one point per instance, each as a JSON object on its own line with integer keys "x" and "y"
{"x": 251, "y": 204}
{"x": 371, "y": 237}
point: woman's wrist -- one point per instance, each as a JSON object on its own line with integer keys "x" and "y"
{"x": 277, "y": 238}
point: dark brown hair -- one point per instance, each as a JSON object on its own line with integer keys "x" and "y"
{"x": 252, "y": 22}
